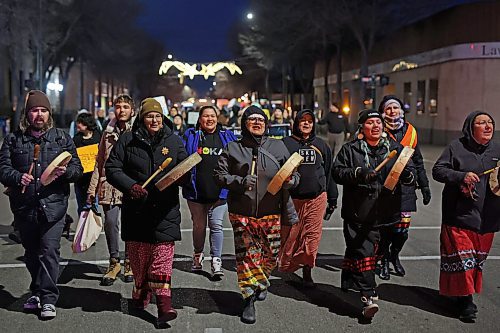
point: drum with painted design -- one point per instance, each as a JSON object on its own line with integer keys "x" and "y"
{"x": 398, "y": 167}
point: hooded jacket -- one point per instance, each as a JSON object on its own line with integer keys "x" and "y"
{"x": 315, "y": 170}
{"x": 461, "y": 156}
{"x": 409, "y": 197}
{"x": 191, "y": 141}
{"x": 235, "y": 163}
{"x": 133, "y": 159}
{"x": 371, "y": 204}
{"x": 16, "y": 157}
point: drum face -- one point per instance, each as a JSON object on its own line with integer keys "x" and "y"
{"x": 493, "y": 180}
{"x": 285, "y": 171}
{"x": 178, "y": 171}
{"x": 398, "y": 167}
{"x": 48, "y": 175}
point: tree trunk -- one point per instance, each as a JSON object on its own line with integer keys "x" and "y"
{"x": 326, "y": 97}
{"x": 339, "y": 74}
{"x": 268, "y": 92}
{"x": 82, "y": 86}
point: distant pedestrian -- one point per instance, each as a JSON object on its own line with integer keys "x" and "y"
{"x": 150, "y": 218}
{"x": 470, "y": 210}
{"x": 393, "y": 238}
{"x": 40, "y": 210}
{"x": 338, "y": 128}
{"x": 206, "y": 200}
{"x": 179, "y": 126}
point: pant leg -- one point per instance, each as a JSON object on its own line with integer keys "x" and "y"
{"x": 160, "y": 270}
{"x": 339, "y": 141}
{"x": 140, "y": 260}
{"x": 271, "y": 239}
{"x": 386, "y": 237}
{"x": 400, "y": 232}
{"x": 111, "y": 229}
{"x": 199, "y": 213}
{"x": 215, "y": 218}
{"x": 29, "y": 230}
{"x": 81, "y": 197}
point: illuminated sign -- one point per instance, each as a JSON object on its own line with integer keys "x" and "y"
{"x": 205, "y": 70}
{"x": 402, "y": 65}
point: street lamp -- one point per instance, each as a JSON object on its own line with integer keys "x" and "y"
{"x": 249, "y": 16}
{"x": 169, "y": 56}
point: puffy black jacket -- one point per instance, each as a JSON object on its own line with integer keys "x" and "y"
{"x": 133, "y": 159}
{"x": 369, "y": 204}
{"x": 461, "y": 156}
{"x": 16, "y": 157}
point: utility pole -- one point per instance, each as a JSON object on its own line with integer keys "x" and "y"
{"x": 39, "y": 51}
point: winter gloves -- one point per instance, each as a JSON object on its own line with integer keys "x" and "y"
{"x": 137, "y": 192}
{"x": 365, "y": 175}
{"x": 426, "y": 193}
{"x": 249, "y": 181}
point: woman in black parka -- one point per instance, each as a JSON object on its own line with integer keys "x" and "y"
{"x": 470, "y": 210}
{"x": 150, "y": 218}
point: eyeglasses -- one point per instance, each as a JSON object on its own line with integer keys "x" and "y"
{"x": 153, "y": 117}
{"x": 484, "y": 122}
{"x": 256, "y": 120}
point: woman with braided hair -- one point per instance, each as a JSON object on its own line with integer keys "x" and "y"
{"x": 366, "y": 204}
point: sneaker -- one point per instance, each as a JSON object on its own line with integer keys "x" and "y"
{"x": 217, "y": 267}
{"x": 197, "y": 262}
{"x": 128, "y": 275}
{"x": 32, "y": 303}
{"x": 369, "y": 307}
{"x": 48, "y": 311}
{"x": 112, "y": 272}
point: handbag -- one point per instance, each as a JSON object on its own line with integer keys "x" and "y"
{"x": 88, "y": 229}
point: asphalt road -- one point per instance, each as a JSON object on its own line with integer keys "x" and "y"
{"x": 407, "y": 304}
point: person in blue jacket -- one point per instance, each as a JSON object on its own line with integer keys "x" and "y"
{"x": 206, "y": 200}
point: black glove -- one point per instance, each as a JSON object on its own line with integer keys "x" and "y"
{"x": 291, "y": 183}
{"x": 249, "y": 181}
{"x": 329, "y": 211}
{"x": 366, "y": 175}
{"x": 137, "y": 192}
{"x": 426, "y": 193}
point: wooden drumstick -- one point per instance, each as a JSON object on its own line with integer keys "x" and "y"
{"x": 391, "y": 155}
{"x": 160, "y": 168}
{"x": 36, "y": 153}
{"x": 254, "y": 162}
{"x": 489, "y": 171}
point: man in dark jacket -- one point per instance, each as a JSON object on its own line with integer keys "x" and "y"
{"x": 366, "y": 204}
{"x": 394, "y": 238}
{"x": 470, "y": 210}
{"x": 39, "y": 211}
{"x": 245, "y": 168}
{"x": 338, "y": 128}
{"x": 150, "y": 218}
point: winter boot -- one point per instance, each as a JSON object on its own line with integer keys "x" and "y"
{"x": 261, "y": 295}
{"x": 166, "y": 312}
{"x": 384, "y": 269}
{"x": 248, "y": 314}
{"x": 128, "y": 275}
{"x": 307, "y": 280}
{"x": 112, "y": 272}
{"x": 467, "y": 308}
{"x": 369, "y": 307}
{"x": 398, "y": 268}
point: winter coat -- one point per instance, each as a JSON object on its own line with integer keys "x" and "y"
{"x": 99, "y": 186}
{"x": 315, "y": 170}
{"x": 16, "y": 156}
{"x": 191, "y": 141}
{"x": 461, "y": 156}
{"x": 133, "y": 159}
{"x": 371, "y": 204}
{"x": 235, "y": 163}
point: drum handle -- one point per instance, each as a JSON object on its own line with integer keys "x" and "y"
{"x": 252, "y": 171}
{"x": 391, "y": 155}
{"x": 36, "y": 153}
{"x": 160, "y": 168}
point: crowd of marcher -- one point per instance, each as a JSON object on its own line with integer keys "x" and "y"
{"x": 380, "y": 169}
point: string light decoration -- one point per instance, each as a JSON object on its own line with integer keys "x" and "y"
{"x": 205, "y": 70}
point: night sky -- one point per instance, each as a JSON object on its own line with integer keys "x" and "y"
{"x": 193, "y": 30}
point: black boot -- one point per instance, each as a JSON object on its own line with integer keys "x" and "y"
{"x": 384, "y": 269}
{"x": 307, "y": 280}
{"x": 248, "y": 314}
{"x": 398, "y": 268}
{"x": 467, "y": 308}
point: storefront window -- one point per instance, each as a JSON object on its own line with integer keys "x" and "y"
{"x": 407, "y": 96}
{"x": 433, "y": 97}
{"x": 420, "y": 97}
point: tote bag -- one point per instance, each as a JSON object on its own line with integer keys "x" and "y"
{"x": 88, "y": 230}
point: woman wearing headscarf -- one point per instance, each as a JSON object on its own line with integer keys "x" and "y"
{"x": 315, "y": 191}
{"x": 393, "y": 238}
{"x": 366, "y": 204}
{"x": 206, "y": 200}
{"x": 245, "y": 168}
{"x": 470, "y": 210}
{"x": 150, "y": 218}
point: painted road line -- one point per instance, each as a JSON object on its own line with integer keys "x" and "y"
{"x": 324, "y": 228}
{"x": 231, "y": 257}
